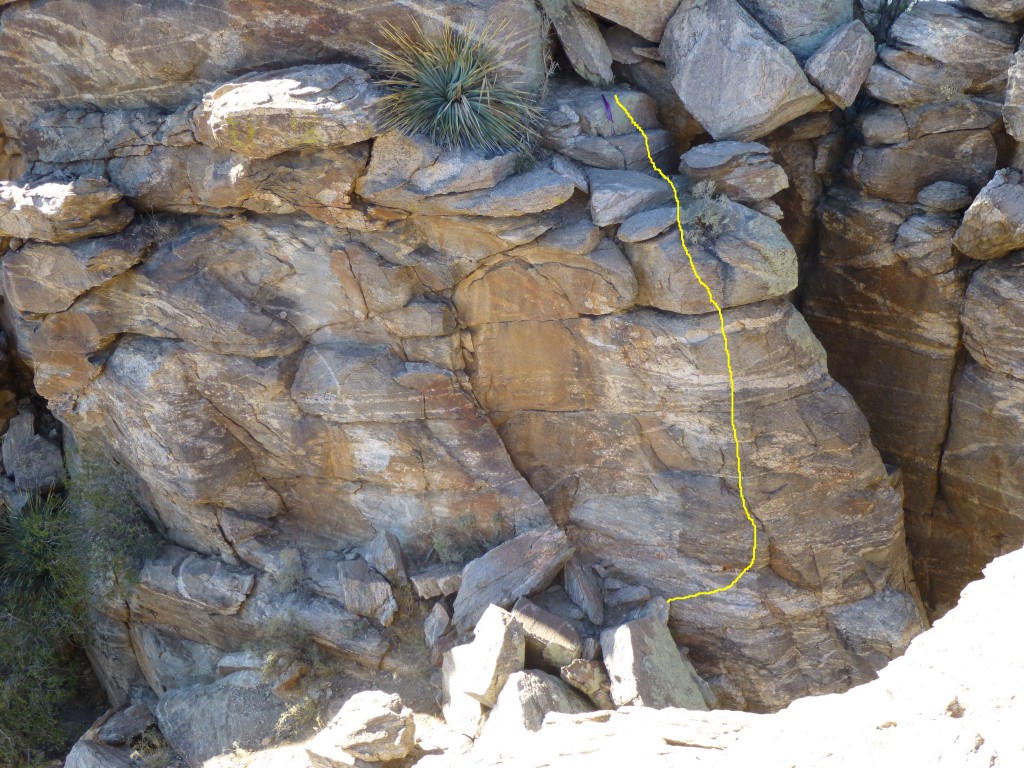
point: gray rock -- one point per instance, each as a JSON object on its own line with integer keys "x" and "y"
{"x": 437, "y": 581}
{"x": 518, "y": 567}
{"x": 39, "y": 279}
{"x": 646, "y": 669}
{"x": 749, "y": 260}
{"x": 742, "y": 171}
{"x": 202, "y": 721}
{"x": 522, "y": 705}
{"x": 800, "y": 25}
{"x": 1013, "y": 105}
{"x": 572, "y": 171}
{"x": 945, "y": 196}
{"x": 267, "y": 113}
{"x": 972, "y": 53}
{"x": 170, "y": 661}
{"x": 994, "y": 224}
{"x": 647, "y": 224}
{"x": 1003, "y": 10}
{"x": 355, "y": 585}
{"x": 384, "y": 554}
{"x": 89, "y": 754}
{"x": 713, "y": 51}
{"x": 551, "y": 641}
{"x": 883, "y": 124}
{"x": 436, "y": 624}
{"x": 992, "y": 315}
{"x": 581, "y": 40}
{"x": 647, "y": 19}
{"x": 900, "y": 172}
{"x": 372, "y": 726}
{"x": 59, "y": 211}
{"x": 590, "y": 678}
{"x": 617, "y": 195}
{"x": 584, "y": 589}
{"x": 126, "y": 724}
{"x": 473, "y": 674}
{"x": 894, "y": 88}
{"x": 34, "y": 462}
{"x": 840, "y": 67}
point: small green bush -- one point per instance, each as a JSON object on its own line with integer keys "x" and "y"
{"x": 448, "y": 87}
{"x": 43, "y": 608}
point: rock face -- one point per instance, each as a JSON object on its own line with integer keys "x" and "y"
{"x": 886, "y": 297}
{"x": 713, "y": 50}
{"x": 319, "y": 347}
{"x": 372, "y": 726}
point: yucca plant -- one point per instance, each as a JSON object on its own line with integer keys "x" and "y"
{"x": 448, "y": 86}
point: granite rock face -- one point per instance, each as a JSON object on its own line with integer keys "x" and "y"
{"x": 801, "y": 25}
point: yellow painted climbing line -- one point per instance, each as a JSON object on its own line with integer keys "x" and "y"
{"x": 728, "y": 363}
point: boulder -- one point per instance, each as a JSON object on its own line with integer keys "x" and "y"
{"x": 840, "y": 67}
{"x": 742, "y": 171}
{"x": 581, "y": 40}
{"x": 355, "y": 585}
{"x": 35, "y": 463}
{"x": 126, "y": 724}
{"x": 473, "y": 674}
{"x": 892, "y": 87}
{"x": 202, "y": 721}
{"x": 436, "y": 624}
{"x": 584, "y": 588}
{"x": 39, "y": 279}
{"x": 89, "y": 754}
{"x": 945, "y": 196}
{"x": 801, "y": 25}
{"x": 384, "y": 554}
{"x": 646, "y": 669}
{"x": 59, "y": 211}
{"x": 993, "y": 313}
{"x": 437, "y": 581}
{"x": 994, "y": 224}
{"x": 713, "y": 51}
{"x": 1003, "y": 10}
{"x": 518, "y": 567}
{"x": 267, "y": 113}
{"x": 371, "y": 725}
{"x": 646, "y": 19}
{"x": 1013, "y": 105}
{"x": 590, "y": 678}
{"x": 617, "y": 195}
{"x": 523, "y": 703}
{"x": 749, "y": 260}
{"x": 551, "y": 641}
{"x": 882, "y": 124}
{"x": 952, "y": 48}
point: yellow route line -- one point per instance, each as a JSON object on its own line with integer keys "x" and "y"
{"x": 728, "y": 363}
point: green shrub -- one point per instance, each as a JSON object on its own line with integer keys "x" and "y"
{"x": 114, "y": 537}
{"x": 448, "y": 87}
{"x": 43, "y": 608}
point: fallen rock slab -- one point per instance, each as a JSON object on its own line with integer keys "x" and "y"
{"x": 647, "y": 19}
{"x": 646, "y": 668}
{"x": 372, "y": 725}
{"x": 800, "y": 25}
{"x": 437, "y": 581}
{"x": 59, "y": 211}
{"x": 588, "y": 676}
{"x": 354, "y": 584}
{"x": 581, "y": 40}
{"x": 714, "y": 50}
{"x": 384, "y": 554}
{"x": 518, "y": 567}
{"x": 126, "y": 724}
{"x": 584, "y": 588}
{"x": 617, "y": 195}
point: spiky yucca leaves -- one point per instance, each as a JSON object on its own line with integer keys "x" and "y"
{"x": 447, "y": 86}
